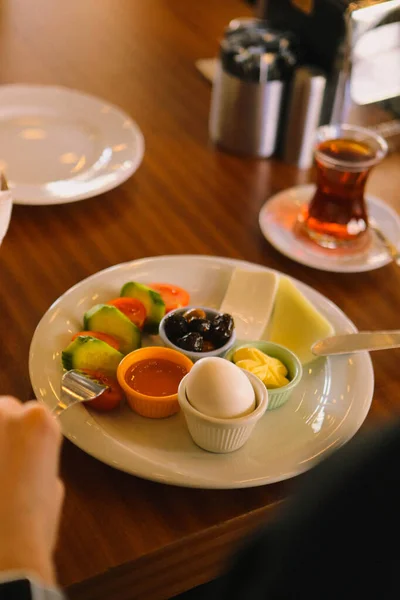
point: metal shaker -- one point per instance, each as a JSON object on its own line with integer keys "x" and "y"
{"x": 303, "y": 116}
{"x": 255, "y": 63}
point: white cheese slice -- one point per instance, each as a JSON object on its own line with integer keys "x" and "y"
{"x": 295, "y": 322}
{"x": 249, "y": 299}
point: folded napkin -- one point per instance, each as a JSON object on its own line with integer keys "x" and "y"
{"x": 5, "y": 207}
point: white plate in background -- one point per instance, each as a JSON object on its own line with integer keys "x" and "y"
{"x": 59, "y": 145}
{"x": 325, "y": 410}
{"x": 5, "y": 212}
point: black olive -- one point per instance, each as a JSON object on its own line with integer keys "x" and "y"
{"x": 175, "y": 327}
{"x": 194, "y": 313}
{"x": 202, "y": 326}
{"x": 191, "y": 341}
{"x": 208, "y": 346}
{"x": 221, "y": 329}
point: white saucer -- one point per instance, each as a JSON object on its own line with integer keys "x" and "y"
{"x": 59, "y": 145}
{"x": 278, "y": 217}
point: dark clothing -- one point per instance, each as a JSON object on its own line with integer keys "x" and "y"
{"x": 337, "y": 539}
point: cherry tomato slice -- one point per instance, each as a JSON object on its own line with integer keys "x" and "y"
{"x": 111, "y": 398}
{"x": 132, "y": 308}
{"x": 173, "y": 296}
{"x": 104, "y": 337}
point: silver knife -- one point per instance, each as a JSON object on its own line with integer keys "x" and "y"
{"x": 357, "y": 342}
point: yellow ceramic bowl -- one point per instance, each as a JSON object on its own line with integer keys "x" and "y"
{"x": 155, "y": 407}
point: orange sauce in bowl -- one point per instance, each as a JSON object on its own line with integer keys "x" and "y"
{"x": 156, "y": 377}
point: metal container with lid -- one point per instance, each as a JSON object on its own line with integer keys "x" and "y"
{"x": 255, "y": 62}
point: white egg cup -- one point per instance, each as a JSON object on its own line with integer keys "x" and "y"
{"x": 223, "y": 435}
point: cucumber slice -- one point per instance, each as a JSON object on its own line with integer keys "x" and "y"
{"x": 90, "y": 353}
{"x": 153, "y": 303}
{"x": 108, "y": 319}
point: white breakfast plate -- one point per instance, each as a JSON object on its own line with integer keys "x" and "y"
{"x": 278, "y": 217}
{"x": 59, "y": 145}
{"x": 325, "y": 411}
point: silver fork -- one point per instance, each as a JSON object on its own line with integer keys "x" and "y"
{"x": 75, "y": 387}
{"x": 393, "y": 251}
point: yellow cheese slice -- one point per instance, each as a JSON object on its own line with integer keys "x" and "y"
{"x": 295, "y": 322}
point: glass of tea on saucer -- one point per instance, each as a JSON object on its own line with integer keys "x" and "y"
{"x": 337, "y": 214}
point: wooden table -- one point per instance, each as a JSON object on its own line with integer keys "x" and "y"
{"x": 122, "y": 537}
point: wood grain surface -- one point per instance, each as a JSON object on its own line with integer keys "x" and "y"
{"x": 122, "y": 537}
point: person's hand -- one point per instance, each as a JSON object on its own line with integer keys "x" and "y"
{"x": 31, "y": 493}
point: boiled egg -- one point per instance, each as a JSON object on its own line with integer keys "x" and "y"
{"x": 218, "y": 388}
